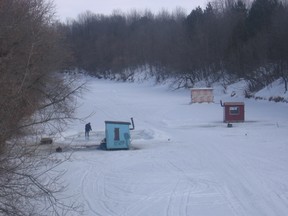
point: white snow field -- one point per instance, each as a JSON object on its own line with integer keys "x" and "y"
{"x": 183, "y": 161}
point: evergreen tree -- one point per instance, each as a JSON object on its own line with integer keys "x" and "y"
{"x": 260, "y": 15}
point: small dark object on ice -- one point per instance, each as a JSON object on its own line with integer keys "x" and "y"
{"x": 103, "y": 145}
{"x": 46, "y": 140}
{"x": 59, "y": 149}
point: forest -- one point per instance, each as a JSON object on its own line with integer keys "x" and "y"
{"x": 228, "y": 40}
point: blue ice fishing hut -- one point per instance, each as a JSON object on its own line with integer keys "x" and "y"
{"x": 118, "y": 134}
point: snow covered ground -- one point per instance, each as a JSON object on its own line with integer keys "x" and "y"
{"x": 184, "y": 160}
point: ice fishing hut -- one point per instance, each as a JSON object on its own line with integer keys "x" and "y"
{"x": 202, "y": 95}
{"x": 233, "y": 111}
{"x": 117, "y": 134}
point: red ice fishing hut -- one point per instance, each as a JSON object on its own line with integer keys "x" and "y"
{"x": 234, "y": 111}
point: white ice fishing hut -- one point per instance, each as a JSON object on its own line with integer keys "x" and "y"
{"x": 202, "y": 95}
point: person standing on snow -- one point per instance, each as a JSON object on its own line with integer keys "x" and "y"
{"x": 87, "y": 130}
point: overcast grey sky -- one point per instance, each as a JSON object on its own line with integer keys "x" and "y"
{"x": 72, "y": 8}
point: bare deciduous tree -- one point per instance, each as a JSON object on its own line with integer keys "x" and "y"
{"x": 34, "y": 98}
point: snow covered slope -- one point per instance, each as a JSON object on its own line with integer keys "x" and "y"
{"x": 184, "y": 161}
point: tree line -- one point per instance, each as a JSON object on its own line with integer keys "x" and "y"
{"x": 229, "y": 39}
